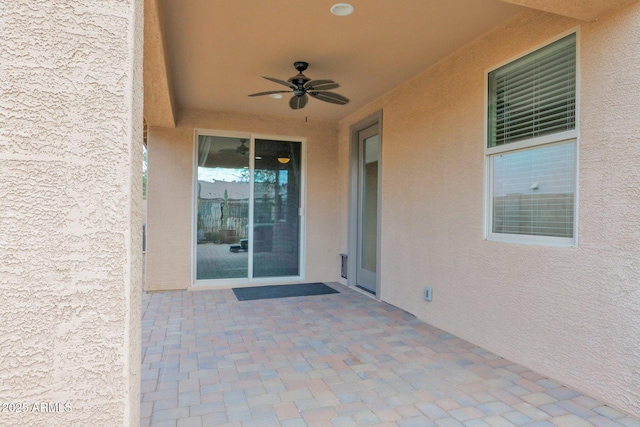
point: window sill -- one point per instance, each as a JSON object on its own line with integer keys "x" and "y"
{"x": 558, "y": 242}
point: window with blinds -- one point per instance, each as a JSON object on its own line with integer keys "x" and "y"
{"x": 531, "y": 147}
{"x": 534, "y": 95}
{"x": 533, "y": 191}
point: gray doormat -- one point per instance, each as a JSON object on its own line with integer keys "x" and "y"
{"x": 282, "y": 291}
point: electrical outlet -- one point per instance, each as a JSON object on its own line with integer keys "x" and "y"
{"x": 428, "y": 293}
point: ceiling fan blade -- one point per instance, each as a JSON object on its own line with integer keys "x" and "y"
{"x": 332, "y": 97}
{"x": 298, "y": 102}
{"x": 325, "y": 86}
{"x": 281, "y": 82}
{"x": 315, "y": 84}
{"x": 270, "y": 92}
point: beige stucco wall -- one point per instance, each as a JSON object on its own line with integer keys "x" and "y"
{"x": 70, "y": 201}
{"x": 170, "y": 194}
{"x": 570, "y": 313}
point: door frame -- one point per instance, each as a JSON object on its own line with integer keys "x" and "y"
{"x": 217, "y": 283}
{"x": 374, "y": 119}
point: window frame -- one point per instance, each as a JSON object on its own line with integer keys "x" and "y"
{"x": 531, "y": 143}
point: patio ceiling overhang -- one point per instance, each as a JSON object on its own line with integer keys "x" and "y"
{"x": 159, "y": 101}
{"x": 201, "y": 54}
{"x": 584, "y": 10}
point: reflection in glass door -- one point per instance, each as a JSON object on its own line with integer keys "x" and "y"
{"x": 223, "y": 208}
{"x": 248, "y": 213}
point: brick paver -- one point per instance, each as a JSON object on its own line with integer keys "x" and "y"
{"x": 333, "y": 360}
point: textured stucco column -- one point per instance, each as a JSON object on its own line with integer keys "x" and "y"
{"x": 70, "y": 211}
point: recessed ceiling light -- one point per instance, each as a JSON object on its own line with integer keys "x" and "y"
{"x": 275, "y": 95}
{"x": 342, "y": 9}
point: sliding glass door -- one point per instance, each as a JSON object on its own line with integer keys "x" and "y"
{"x": 248, "y": 221}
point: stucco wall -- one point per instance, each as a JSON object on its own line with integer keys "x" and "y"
{"x": 169, "y": 239}
{"x": 570, "y": 313}
{"x": 70, "y": 201}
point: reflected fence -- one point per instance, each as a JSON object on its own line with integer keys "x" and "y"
{"x": 214, "y": 227}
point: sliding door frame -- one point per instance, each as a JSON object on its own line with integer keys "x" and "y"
{"x": 251, "y": 137}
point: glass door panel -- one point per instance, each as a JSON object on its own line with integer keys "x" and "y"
{"x": 276, "y": 218}
{"x": 223, "y": 208}
{"x": 368, "y": 167}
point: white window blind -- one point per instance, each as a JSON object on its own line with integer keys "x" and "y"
{"x": 534, "y": 95}
{"x": 533, "y": 191}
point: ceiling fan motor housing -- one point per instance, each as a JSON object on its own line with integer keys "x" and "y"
{"x": 301, "y": 66}
{"x": 300, "y": 79}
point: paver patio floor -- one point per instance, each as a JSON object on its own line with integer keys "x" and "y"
{"x": 333, "y": 360}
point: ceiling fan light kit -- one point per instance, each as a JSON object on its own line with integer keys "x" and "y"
{"x": 302, "y": 87}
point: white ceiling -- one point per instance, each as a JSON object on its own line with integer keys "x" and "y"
{"x": 217, "y": 50}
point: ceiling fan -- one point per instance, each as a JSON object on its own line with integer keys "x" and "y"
{"x": 241, "y": 150}
{"x": 301, "y": 86}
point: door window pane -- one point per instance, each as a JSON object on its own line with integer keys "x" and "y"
{"x": 276, "y": 228}
{"x": 369, "y": 204}
{"x": 223, "y": 208}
